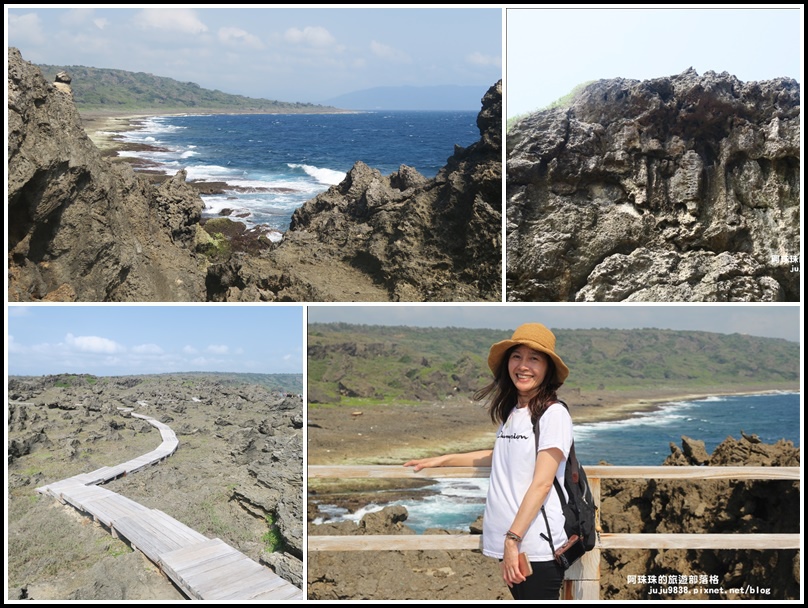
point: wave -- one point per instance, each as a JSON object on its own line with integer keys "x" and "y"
{"x": 324, "y": 176}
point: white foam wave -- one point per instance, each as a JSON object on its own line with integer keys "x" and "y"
{"x": 324, "y": 176}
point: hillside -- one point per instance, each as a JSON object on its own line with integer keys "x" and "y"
{"x": 434, "y": 98}
{"x": 357, "y": 363}
{"x": 107, "y": 89}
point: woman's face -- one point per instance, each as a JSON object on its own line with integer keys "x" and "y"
{"x": 527, "y": 368}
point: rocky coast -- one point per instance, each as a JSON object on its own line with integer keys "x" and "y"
{"x": 340, "y": 435}
{"x": 237, "y": 476}
{"x": 83, "y": 228}
{"x": 680, "y": 188}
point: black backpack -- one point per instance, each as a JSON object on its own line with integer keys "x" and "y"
{"x": 579, "y": 511}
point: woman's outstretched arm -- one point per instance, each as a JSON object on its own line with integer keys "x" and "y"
{"x": 480, "y": 458}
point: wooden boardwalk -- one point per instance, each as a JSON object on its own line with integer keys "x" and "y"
{"x": 203, "y": 568}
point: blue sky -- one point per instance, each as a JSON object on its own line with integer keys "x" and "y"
{"x": 289, "y": 54}
{"x": 111, "y": 340}
{"x": 550, "y": 51}
{"x": 770, "y": 321}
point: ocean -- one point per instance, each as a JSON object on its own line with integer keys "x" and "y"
{"x": 642, "y": 440}
{"x": 273, "y": 163}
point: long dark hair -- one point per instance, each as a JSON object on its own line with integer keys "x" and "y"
{"x": 503, "y": 394}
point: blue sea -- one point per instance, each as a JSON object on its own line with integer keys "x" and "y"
{"x": 273, "y": 163}
{"x": 642, "y": 440}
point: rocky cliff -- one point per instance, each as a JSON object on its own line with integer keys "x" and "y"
{"x": 627, "y": 506}
{"x": 401, "y": 237}
{"x": 675, "y": 189}
{"x": 693, "y": 507}
{"x": 82, "y": 228}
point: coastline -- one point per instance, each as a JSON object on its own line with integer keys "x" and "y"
{"x": 392, "y": 434}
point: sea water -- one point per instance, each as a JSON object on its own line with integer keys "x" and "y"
{"x": 273, "y": 163}
{"x": 642, "y": 440}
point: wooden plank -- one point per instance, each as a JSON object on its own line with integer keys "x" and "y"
{"x": 694, "y": 473}
{"x": 700, "y": 541}
{"x": 394, "y": 472}
{"x": 241, "y": 586}
{"x": 179, "y": 527}
{"x": 447, "y": 542}
{"x": 289, "y": 592}
{"x": 599, "y": 471}
{"x": 396, "y": 542}
{"x": 109, "y": 510}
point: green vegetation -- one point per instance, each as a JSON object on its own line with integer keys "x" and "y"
{"x": 361, "y": 366}
{"x": 562, "y": 102}
{"x": 106, "y": 89}
{"x": 273, "y": 538}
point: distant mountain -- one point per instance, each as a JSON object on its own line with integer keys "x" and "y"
{"x": 108, "y": 89}
{"x": 384, "y": 364}
{"x": 443, "y": 97}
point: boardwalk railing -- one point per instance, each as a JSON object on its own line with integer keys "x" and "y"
{"x": 583, "y": 578}
{"x": 203, "y": 568}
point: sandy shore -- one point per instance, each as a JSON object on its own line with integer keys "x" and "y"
{"x": 392, "y": 434}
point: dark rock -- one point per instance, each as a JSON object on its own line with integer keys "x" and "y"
{"x": 706, "y": 506}
{"x": 82, "y": 228}
{"x": 674, "y": 189}
{"x": 402, "y": 237}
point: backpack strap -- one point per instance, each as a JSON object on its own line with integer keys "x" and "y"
{"x": 572, "y": 459}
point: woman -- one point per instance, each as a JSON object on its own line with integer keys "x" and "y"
{"x": 527, "y": 374}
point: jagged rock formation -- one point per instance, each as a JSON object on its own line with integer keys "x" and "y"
{"x": 675, "y": 189}
{"x": 627, "y": 506}
{"x": 401, "y": 237}
{"x": 380, "y": 575}
{"x": 81, "y": 228}
{"x": 240, "y": 461}
{"x": 672, "y": 506}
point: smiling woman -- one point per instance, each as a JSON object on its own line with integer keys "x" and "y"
{"x": 527, "y": 373}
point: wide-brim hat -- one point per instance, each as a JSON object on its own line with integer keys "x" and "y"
{"x": 532, "y": 335}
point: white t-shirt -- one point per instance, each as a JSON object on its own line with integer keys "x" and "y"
{"x": 512, "y": 467}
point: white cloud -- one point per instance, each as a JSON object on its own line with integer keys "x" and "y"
{"x": 477, "y": 58}
{"x": 389, "y": 53}
{"x": 316, "y": 36}
{"x": 101, "y": 23}
{"x": 24, "y": 29}
{"x": 175, "y": 19}
{"x": 237, "y": 37}
{"x": 18, "y": 311}
{"x": 189, "y": 350}
{"x": 76, "y": 16}
{"x": 218, "y": 349}
{"x": 147, "y": 349}
{"x": 93, "y": 344}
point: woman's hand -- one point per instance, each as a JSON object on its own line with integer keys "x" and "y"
{"x": 480, "y": 458}
{"x": 510, "y": 563}
{"x": 425, "y": 463}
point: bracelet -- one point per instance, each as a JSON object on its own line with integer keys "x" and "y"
{"x": 513, "y": 536}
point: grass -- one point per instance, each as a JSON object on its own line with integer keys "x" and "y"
{"x": 562, "y": 102}
{"x": 273, "y": 538}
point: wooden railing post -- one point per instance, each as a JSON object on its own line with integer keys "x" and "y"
{"x": 582, "y": 580}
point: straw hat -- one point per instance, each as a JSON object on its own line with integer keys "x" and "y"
{"x": 532, "y": 335}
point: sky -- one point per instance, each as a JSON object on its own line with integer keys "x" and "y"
{"x": 551, "y": 51}
{"x": 288, "y": 54}
{"x": 113, "y": 340}
{"x": 768, "y": 320}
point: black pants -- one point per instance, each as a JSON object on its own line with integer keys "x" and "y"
{"x": 543, "y": 584}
